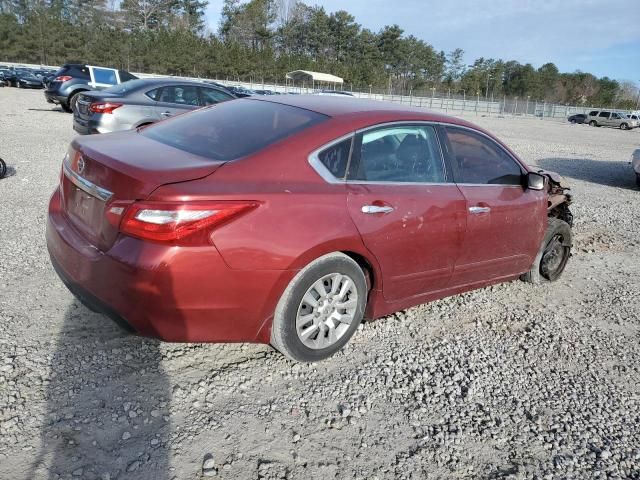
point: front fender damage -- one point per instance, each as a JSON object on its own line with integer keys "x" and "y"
{"x": 559, "y": 198}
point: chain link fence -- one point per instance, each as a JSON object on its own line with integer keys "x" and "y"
{"x": 432, "y": 99}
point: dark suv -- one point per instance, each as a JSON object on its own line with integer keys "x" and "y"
{"x": 74, "y": 78}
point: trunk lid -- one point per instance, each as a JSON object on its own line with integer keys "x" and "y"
{"x": 103, "y": 174}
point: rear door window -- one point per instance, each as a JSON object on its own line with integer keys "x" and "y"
{"x": 604, "y": 114}
{"x": 400, "y": 154}
{"x": 479, "y": 160}
{"x": 186, "y": 95}
{"x": 153, "y": 94}
{"x": 211, "y": 96}
{"x": 230, "y": 130}
{"x": 336, "y": 157}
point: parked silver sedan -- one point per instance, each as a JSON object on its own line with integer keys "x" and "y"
{"x": 141, "y": 102}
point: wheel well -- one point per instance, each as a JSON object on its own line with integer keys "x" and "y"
{"x": 366, "y": 268}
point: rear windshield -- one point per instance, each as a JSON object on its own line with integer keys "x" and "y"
{"x": 233, "y": 129}
{"x": 77, "y": 71}
{"x": 126, "y": 87}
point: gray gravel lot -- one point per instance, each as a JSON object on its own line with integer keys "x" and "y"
{"x": 513, "y": 381}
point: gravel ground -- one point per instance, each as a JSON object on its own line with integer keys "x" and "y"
{"x": 512, "y": 381}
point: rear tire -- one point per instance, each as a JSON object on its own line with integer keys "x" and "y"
{"x": 305, "y": 332}
{"x": 553, "y": 255}
{"x": 638, "y": 180}
{"x": 71, "y": 105}
{"x": 593, "y": 123}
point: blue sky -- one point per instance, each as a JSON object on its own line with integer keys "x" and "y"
{"x": 597, "y": 36}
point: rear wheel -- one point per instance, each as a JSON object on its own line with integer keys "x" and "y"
{"x": 573, "y": 120}
{"x": 72, "y": 103}
{"x": 593, "y": 123}
{"x": 320, "y": 309}
{"x": 553, "y": 255}
{"x": 638, "y": 179}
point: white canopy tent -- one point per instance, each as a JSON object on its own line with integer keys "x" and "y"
{"x": 308, "y": 78}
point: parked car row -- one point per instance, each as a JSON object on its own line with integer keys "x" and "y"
{"x": 607, "y": 118}
{"x": 140, "y": 102}
{"x": 22, "y": 77}
{"x": 72, "y": 79}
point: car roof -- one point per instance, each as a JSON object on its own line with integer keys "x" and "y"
{"x": 346, "y": 106}
{"x": 169, "y": 80}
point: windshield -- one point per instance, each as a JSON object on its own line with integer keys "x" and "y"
{"x": 232, "y": 129}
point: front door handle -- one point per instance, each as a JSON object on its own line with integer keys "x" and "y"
{"x": 376, "y": 209}
{"x": 165, "y": 114}
{"x": 479, "y": 210}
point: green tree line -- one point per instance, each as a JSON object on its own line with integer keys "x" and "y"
{"x": 261, "y": 40}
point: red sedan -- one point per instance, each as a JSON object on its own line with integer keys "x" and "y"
{"x": 286, "y": 220}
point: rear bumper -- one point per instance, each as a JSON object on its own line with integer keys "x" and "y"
{"x": 83, "y": 127}
{"x": 53, "y": 97}
{"x": 98, "y": 123}
{"x": 183, "y": 294}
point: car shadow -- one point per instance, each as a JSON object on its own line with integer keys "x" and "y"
{"x": 56, "y": 109}
{"x": 608, "y": 173}
{"x": 107, "y": 404}
{"x": 108, "y": 396}
{"x": 11, "y": 171}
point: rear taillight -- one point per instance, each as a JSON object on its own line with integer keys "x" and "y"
{"x": 62, "y": 78}
{"x": 180, "y": 223}
{"x": 104, "y": 107}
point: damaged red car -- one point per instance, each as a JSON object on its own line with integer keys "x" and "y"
{"x": 287, "y": 220}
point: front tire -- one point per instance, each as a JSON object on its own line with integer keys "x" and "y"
{"x": 553, "y": 255}
{"x": 624, "y": 126}
{"x": 320, "y": 309}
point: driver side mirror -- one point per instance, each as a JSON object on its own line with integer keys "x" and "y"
{"x": 535, "y": 181}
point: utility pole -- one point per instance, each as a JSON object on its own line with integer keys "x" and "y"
{"x": 638, "y": 99}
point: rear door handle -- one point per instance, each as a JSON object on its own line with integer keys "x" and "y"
{"x": 479, "y": 210}
{"x": 165, "y": 114}
{"x": 376, "y": 209}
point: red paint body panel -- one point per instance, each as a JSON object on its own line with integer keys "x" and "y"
{"x": 173, "y": 293}
{"x": 228, "y": 291}
{"x": 418, "y": 242}
{"x": 504, "y": 241}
